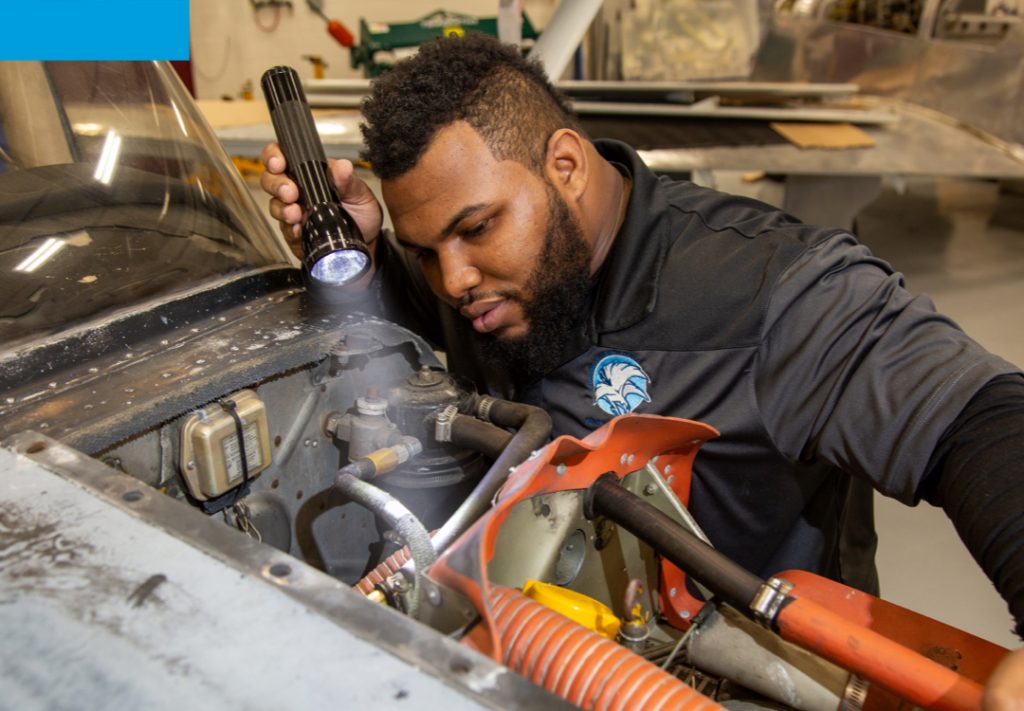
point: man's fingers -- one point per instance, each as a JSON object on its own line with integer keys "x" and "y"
{"x": 272, "y": 158}
{"x": 280, "y": 186}
{"x": 290, "y": 212}
{"x": 350, "y": 186}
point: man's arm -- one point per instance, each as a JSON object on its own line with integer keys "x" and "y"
{"x": 856, "y": 371}
{"x": 975, "y": 475}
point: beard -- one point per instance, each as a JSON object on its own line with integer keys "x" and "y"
{"x": 552, "y": 299}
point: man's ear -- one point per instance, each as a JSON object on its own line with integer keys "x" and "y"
{"x": 566, "y": 163}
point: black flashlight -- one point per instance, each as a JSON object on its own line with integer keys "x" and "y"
{"x": 333, "y": 250}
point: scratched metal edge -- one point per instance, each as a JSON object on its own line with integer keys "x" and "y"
{"x": 491, "y": 684}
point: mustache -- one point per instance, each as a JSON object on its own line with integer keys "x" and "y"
{"x": 472, "y": 297}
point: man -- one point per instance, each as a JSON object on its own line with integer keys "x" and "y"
{"x": 563, "y": 273}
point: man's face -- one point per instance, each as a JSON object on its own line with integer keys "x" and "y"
{"x": 494, "y": 240}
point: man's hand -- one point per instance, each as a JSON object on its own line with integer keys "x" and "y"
{"x": 356, "y": 198}
{"x": 1005, "y": 688}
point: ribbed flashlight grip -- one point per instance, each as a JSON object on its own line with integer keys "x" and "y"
{"x": 297, "y": 136}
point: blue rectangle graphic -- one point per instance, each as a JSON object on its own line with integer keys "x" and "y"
{"x": 104, "y": 29}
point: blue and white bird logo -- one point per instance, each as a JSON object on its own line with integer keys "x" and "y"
{"x": 620, "y": 384}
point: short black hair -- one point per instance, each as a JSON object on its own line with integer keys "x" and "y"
{"x": 505, "y": 98}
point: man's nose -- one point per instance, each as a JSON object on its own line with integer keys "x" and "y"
{"x": 458, "y": 275}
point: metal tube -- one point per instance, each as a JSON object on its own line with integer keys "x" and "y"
{"x": 401, "y": 519}
{"x": 725, "y": 644}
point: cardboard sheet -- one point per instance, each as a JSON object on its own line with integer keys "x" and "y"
{"x": 824, "y": 135}
{"x": 227, "y": 114}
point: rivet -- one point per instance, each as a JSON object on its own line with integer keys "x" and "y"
{"x": 650, "y": 490}
{"x": 685, "y": 614}
{"x": 561, "y": 468}
{"x": 672, "y": 592}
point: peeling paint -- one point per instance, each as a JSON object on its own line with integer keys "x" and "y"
{"x": 287, "y": 335}
{"x": 784, "y": 683}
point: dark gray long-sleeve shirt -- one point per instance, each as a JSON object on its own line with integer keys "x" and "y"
{"x": 823, "y": 374}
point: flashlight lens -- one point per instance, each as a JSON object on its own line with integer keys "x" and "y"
{"x": 339, "y": 268}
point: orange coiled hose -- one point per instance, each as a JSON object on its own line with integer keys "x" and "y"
{"x": 579, "y": 665}
{"x": 391, "y": 565}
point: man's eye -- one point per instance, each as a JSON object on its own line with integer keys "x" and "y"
{"x": 423, "y": 254}
{"x": 477, "y": 229}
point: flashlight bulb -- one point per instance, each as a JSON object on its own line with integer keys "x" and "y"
{"x": 333, "y": 250}
{"x": 340, "y": 268}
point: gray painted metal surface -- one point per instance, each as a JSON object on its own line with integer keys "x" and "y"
{"x": 115, "y": 596}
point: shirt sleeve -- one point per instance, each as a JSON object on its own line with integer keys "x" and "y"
{"x": 855, "y": 371}
{"x": 975, "y": 476}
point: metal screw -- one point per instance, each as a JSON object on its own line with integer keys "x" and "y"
{"x": 671, "y": 479}
{"x": 561, "y": 468}
{"x": 316, "y": 443}
{"x": 434, "y": 595}
{"x": 672, "y": 592}
{"x": 622, "y": 459}
{"x": 668, "y": 468}
{"x": 630, "y": 459}
{"x": 685, "y": 614}
{"x": 190, "y": 464}
{"x": 650, "y": 490}
{"x": 305, "y": 443}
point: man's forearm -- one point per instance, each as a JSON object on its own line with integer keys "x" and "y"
{"x": 977, "y": 475}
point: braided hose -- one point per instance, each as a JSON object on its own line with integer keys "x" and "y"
{"x": 581, "y": 666}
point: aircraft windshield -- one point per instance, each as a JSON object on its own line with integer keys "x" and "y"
{"x": 113, "y": 190}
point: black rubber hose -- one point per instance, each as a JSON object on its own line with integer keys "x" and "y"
{"x": 533, "y": 427}
{"x": 471, "y": 433}
{"x": 728, "y": 581}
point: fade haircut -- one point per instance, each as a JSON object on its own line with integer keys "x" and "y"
{"x": 505, "y": 98}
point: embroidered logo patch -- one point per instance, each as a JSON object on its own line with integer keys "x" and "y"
{"x": 619, "y": 383}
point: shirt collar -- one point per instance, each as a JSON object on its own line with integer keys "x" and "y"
{"x": 627, "y": 289}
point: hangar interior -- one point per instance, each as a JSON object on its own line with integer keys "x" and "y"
{"x": 253, "y": 400}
